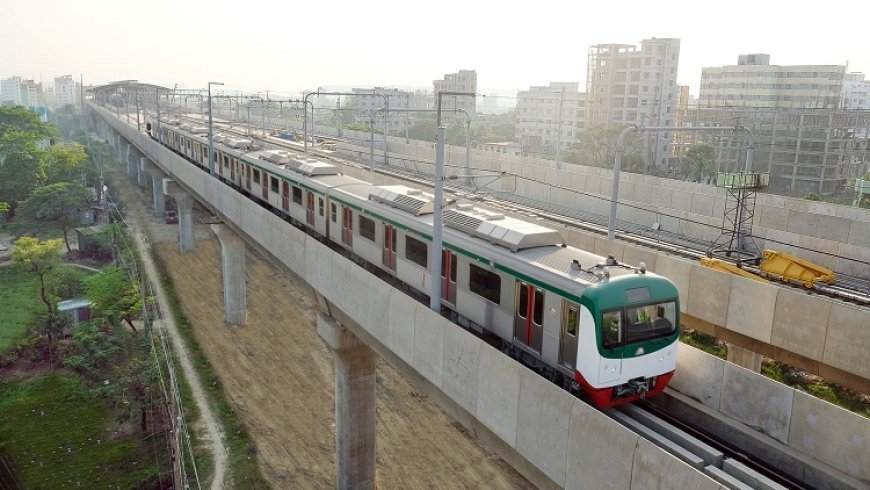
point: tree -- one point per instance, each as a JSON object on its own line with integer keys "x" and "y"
{"x": 597, "y": 147}
{"x": 699, "y": 161}
{"x": 68, "y": 163}
{"x": 347, "y": 113}
{"x": 114, "y": 295}
{"x": 21, "y": 158}
{"x": 21, "y": 166}
{"x": 40, "y": 257}
{"x": 99, "y": 352}
{"x": 505, "y": 131}
{"x": 423, "y": 129}
{"x": 59, "y": 202}
{"x": 17, "y": 119}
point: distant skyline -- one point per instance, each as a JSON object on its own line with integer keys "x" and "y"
{"x": 286, "y": 47}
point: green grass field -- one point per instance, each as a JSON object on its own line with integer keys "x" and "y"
{"x": 19, "y": 304}
{"x": 55, "y": 436}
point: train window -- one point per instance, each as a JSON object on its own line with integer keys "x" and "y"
{"x": 611, "y": 329}
{"x": 274, "y": 184}
{"x": 538, "y": 317}
{"x": 650, "y": 321}
{"x": 333, "y": 211}
{"x": 523, "y": 306}
{"x": 320, "y": 205}
{"x": 256, "y": 176}
{"x": 366, "y": 228}
{"x": 416, "y": 251}
{"x": 226, "y": 161}
{"x": 484, "y": 283}
{"x": 297, "y": 196}
{"x": 572, "y": 318}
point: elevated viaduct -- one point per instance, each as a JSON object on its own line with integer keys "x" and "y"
{"x": 553, "y": 438}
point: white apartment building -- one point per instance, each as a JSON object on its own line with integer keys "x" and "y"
{"x": 10, "y": 90}
{"x": 627, "y": 84}
{"x": 66, "y": 91}
{"x": 856, "y": 92}
{"x": 550, "y": 117}
{"x": 754, "y": 82}
{"x": 31, "y": 94}
{"x": 370, "y": 100}
{"x": 505, "y": 148}
{"x": 463, "y": 81}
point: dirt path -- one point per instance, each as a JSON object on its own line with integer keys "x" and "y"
{"x": 213, "y": 437}
{"x": 278, "y": 375}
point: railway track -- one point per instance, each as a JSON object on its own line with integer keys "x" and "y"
{"x": 850, "y": 291}
{"x": 708, "y": 454}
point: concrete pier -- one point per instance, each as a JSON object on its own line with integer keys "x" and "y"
{"x": 140, "y": 171}
{"x": 233, "y": 267}
{"x": 355, "y": 379}
{"x": 130, "y": 160}
{"x": 184, "y": 208}
{"x": 158, "y": 205}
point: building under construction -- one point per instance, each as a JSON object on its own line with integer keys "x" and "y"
{"x": 804, "y": 150}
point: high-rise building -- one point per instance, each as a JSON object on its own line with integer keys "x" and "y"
{"x": 550, "y": 117}
{"x": 463, "y": 81}
{"x": 66, "y": 91}
{"x": 10, "y": 90}
{"x": 627, "y": 84}
{"x": 682, "y": 139}
{"x": 31, "y": 95}
{"x": 856, "y": 92}
{"x": 754, "y": 82}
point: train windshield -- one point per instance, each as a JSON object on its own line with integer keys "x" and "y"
{"x": 637, "y": 324}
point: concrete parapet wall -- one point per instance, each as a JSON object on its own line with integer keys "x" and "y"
{"x": 838, "y": 230}
{"x": 813, "y": 332}
{"x": 811, "y": 426}
{"x": 560, "y": 441}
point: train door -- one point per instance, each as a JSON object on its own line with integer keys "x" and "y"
{"x": 233, "y": 171}
{"x": 529, "y": 318}
{"x": 568, "y": 337}
{"x": 309, "y": 209}
{"x": 448, "y": 276}
{"x": 389, "y": 250}
{"x": 248, "y": 177}
{"x": 347, "y": 226}
{"x": 285, "y": 195}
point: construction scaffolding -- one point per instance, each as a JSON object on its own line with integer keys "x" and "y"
{"x": 803, "y": 150}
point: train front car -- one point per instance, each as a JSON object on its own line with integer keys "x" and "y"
{"x": 629, "y": 331}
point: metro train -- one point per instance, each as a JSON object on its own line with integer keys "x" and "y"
{"x": 587, "y": 322}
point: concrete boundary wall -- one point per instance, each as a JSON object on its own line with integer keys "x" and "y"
{"x": 830, "y": 228}
{"x": 550, "y": 436}
{"x": 811, "y": 332}
{"x": 813, "y": 427}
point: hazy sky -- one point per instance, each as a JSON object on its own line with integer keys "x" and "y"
{"x": 288, "y": 46}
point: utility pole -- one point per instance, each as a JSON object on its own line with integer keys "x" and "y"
{"x": 559, "y": 130}
{"x": 438, "y": 213}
